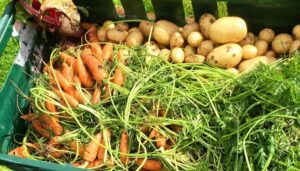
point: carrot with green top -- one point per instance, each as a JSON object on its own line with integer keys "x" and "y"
{"x": 83, "y": 74}
{"x": 91, "y": 150}
{"x": 124, "y": 150}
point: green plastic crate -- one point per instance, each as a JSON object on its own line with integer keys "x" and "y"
{"x": 281, "y": 15}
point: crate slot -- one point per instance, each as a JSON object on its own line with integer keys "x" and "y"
{"x": 172, "y": 11}
{"x": 134, "y": 9}
{"x": 204, "y": 6}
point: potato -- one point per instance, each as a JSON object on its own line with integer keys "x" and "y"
{"x": 249, "y": 51}
{"x": 271, "y": 53}
{"x": 295, "y": 46}
{"x": 152, "y": 50}
{"x": 262, "y": 47}
{"x": 206, "y": 47}
{"x": 122, "y": 26}
{"x": 176, "y": 40}
{"x": 250, "y": 64}
{"x": 296, "y": 31}
{"x": 165, "y": 54}
{"x": 102, "y": 34}
{"x": 135, "y": 39}
{"x": 196, "y": 59}
{"x": 225, "y": 56}
{"x": 233, "y": 71}
{"x": 145, "y": 27}
{"x": 116, "y": 36}
{"x": 189, "y": 28}
{"x": 177, "y": 55}
{"x": 228, "y": 30}
{"x": 205, "y": 21}
{"x": 163, "y": 30}
{"x": 189, "y": 50}
{"x": 195, "y": 39}
{"x": 134, "y": 29}
{"x": 267, "y": 35}
{"x": 108, "y": 24}
{"x": 248, "y": 40}
{"x": 282, "y": 43}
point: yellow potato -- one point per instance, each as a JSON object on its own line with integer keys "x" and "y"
{"x": 205, "y": 21}
{"x": 233, "y": 71}
{"x": 196, "y": 59}
{"x": 145, "y": 27}
{"x": 228, "y": 30}
{"x": 189, "y": 50}
{"x": 176, "y": 40}
{"x": 267, "y": 35}
{"x": 133, "y": 29}
{"x": 271, "y": 53}
{"x": 163, "y": 30}
{"x": 165, "y": 54}
{"x": 295, "y": 46}
{"x": 108, "y": 24}
{"x": 282, "y": 43}
{"x": 262, "y": 47}
{"x": 177, "y": 55}
{"x": 249, "y": 51}
{"x": 250, "y": 64}
{"x": 195, "y": 39}
{"x": 189, "y": 28}
{"x": 152, "y": 50}
{"x": 248, "y": 40}
{"x": 122, "y": 26}
{"x": 117, "y": 36}
{"x": 135, "y": 39}
{"x": 102, "y": 34}
{"x": 206, "y": 47}
{"x": 225, "y": 56}
{"x": 296, "y": 31}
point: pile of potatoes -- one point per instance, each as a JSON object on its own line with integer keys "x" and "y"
{"x": 224, "y": 42}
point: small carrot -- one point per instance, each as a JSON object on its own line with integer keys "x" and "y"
{"x": 77, "y": 95}
{"x": 19, "y": 152}
{"x": 91, "y": 149}
{"x": 123, "y": 54}
{"x": 37, "y": 125}
{"x": 153, "y": 133}
{"x": 96, "y": 95}
{"x": 107, "y": 92}
{"x": 54, "y": 147}
{"x": 96, "y": 49}
{"x": 67, "y": 58}
{"x": 29, "y": 117}
{"x": 99, "y": 73}
{"x": 77, "y": 81}
{"x": 70, "y": 99}
{"x": 92, "y": 34}
{"x": 63, "y": 82}
{"x": 119, "y": 77}
{"x": 161, "y": 141}
{"x": 76, "y": 147}
{"x": 52, "y": 123}
{"x": 151, "y": 165}
{"x": 95, "y": 163}
{"x": 67, "y": 72}
{"x": 124, "y": 148}
{"x": 102, "y": 148}
{"x": 83, "y": 74}
{"x": 108, "y": 51}
{"x": 50, "y": 107}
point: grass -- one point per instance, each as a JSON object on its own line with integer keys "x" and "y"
{"x": 10, "y": 52}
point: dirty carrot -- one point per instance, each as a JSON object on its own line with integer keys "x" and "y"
{"x": 67, "y": 72}
{"x": 91, "y": 149}
{"x": 63, "y": 82}
{"x": 29, "y": 117}
{"x": 96, "y": 95}
{"x": 95, "y": 163}
{"x": 63, "y": 95}
{"x": 38, "y": 126}
{"x": 83, "y": 74}
{"x": 92, "y": 34}
{"x": 67, "y": 58}
{"x": 53, "y": 124}
{"x": 151, "y": 165}
{"x": 119, "y": 77}
{"x": 102, "y": 148}
{"x": 108, "y": 51}
{"x": 19, "y": 152}
{"x": 76, "y": 147}
{"x": 124, "y": 148}
{"x": 96, "y": 49}
{"x": 160, "y": 140}
{"x": 152, "y": 134}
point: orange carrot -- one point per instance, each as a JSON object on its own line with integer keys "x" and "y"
{"x": 124, "y": 148}
{"x": 91, "y": 149}
{"x": 152, "y": 134}
{"x": 99, "y": 73}
{"x": 83, "y": 74}
{"x": 119, "y": 77}
{"x": 95, "y": 163}
{"x": 70, "y": 99}
{"x": 50, "y": 107}
{"x": 77, "y": 95}
{"x": 29, "y": 117}
{"x": 96, "y": 49}
{"x": 160, "y": 141}
{"x": 108, "y": 51}
{"x": 37, "y": 125}
{"x": 96, "y": 95}
{"x": 76, "y": 147}
{"x": 151, "y": 165}
{"x": 19, "y": 152}
{"x": 67, "y": 72}
{"x": 54, "y": 146}
{"x": 92, "y": 34}
{"x": 63, "y": 82}
{"x": 107, "y": 91}
{"x": 52, "y": 123}
{"x": 102, "y": 148}
{"x": 77, "y": 81}
{"x": 67, "y": 58}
